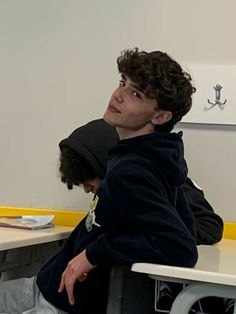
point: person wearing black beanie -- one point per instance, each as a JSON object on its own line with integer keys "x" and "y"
{"x": 84, "y": 154}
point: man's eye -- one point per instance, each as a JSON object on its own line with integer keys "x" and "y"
{"x": 136, "y": 94}
{"x": 121, "y": 83}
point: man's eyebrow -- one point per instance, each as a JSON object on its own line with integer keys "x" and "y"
{"x": 135, "y": 86}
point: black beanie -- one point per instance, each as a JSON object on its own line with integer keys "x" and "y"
{"x": 92, "y": 142}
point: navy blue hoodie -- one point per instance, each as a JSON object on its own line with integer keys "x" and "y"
{"x": 139, "y": 214}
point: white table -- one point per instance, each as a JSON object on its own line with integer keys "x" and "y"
{"x": 11, "y": 238}
{"x": 214, "y": 275}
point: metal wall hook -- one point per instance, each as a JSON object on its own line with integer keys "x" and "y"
{"x": 217, "y": 101}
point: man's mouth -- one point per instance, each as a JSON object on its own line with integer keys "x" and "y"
{"x": 112, "y": 108}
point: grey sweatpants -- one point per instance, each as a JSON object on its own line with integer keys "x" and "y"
{"x": 22, "y": 296}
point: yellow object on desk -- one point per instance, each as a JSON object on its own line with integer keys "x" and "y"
{"x": 70, "y": 218}
{"x": 229, "y": 230}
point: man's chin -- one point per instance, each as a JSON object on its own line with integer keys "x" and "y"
{"x": 108, "y": 119}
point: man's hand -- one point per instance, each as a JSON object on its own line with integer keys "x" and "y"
{"x": 77, "y": 269}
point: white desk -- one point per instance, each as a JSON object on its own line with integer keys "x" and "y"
{"x": 214, "y": 275}
{"x": 11, "y": 238}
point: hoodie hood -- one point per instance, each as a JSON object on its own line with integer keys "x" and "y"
{"x": 164, "y": 150}
{"x": 92, "y": 142}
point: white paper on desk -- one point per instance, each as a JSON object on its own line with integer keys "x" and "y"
{"x": 27, "y": 222}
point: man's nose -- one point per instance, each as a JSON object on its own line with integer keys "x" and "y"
{"x": 118, "y": 95}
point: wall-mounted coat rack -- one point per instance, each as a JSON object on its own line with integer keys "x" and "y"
{"x": 215, "y": 98}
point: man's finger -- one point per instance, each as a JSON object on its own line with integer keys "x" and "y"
{"x": 62, "y": 283}
{"x": 70, "y": 293}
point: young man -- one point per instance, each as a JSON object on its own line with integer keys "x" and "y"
{"x": 139, "y": 213}
{"x": 83, "y": 161}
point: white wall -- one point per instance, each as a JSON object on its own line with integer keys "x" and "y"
{"x": 57, "y": 71}
{"x": 210, "y": 152}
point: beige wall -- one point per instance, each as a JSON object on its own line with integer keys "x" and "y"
{"x": 57, "y": 70}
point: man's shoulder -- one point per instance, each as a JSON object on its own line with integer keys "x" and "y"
{"x": 130, "y": 164}
{"x": 132, "y": 170}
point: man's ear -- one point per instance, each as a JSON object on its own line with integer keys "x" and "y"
{"x": 161, "y": 117}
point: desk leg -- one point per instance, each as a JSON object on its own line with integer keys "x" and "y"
{"x": 196, "y": 291}
{"x": 114, "y": 305}
{"x": 3, "y": 255}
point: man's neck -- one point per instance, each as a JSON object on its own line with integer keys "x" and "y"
{"x": 127, "y": 133}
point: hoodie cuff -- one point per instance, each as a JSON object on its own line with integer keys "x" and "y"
{"x": 91, "y": 254}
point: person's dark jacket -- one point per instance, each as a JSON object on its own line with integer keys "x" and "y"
{"x": 92, "y": 142}
{"x": 139, "y": 214}
{"x": 145, "y": 201}
{"x": 209, "y": 225}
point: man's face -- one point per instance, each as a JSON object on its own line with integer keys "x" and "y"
{"x": 129, "y": 108}
{"x": 92, "y": 185}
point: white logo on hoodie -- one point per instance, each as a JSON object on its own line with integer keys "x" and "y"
{"x": 90, "y": 220}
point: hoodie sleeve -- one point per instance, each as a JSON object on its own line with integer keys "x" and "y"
{"x": 209, "y": 225}
{"x": 143, "y": 225}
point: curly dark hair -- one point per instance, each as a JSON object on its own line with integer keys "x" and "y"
{"x": 74, "y": 169}
{"x": 159, "y": 77}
